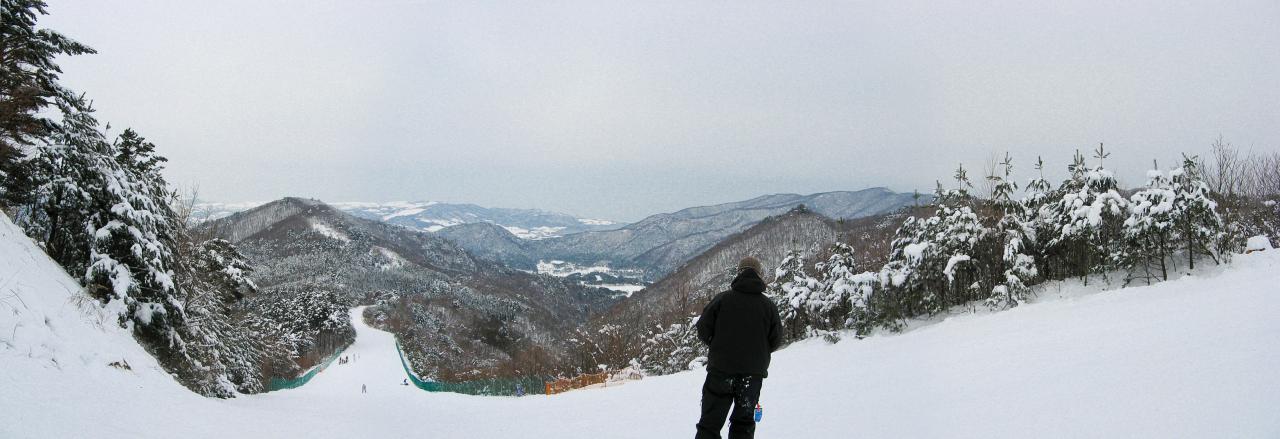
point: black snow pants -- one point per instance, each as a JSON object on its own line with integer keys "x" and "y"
{"x": 732, "y": 395}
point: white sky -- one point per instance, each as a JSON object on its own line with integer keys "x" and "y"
{"x": 620, "y": 110}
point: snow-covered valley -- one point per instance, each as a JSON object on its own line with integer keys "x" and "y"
{"x": 1193, "y": 357}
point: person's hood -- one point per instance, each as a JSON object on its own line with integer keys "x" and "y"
{"x": 748, "y": 282}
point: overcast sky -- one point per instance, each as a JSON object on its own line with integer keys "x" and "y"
{"x": 620, "y": 110}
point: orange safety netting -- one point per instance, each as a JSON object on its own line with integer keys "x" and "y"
{"x": 567, "y": 384}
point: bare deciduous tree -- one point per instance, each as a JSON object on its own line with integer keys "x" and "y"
{"x": 1229, "y": 174}
{"x": 1266, "y": 175}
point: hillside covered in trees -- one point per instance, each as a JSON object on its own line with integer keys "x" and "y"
{"x": 964, "y": 252}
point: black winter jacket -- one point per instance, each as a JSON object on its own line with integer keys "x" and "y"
{"x": 742, "y": 328}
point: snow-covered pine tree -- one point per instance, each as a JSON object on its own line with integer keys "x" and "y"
{"x": 60, "y": 206}
{"x": 931, "y": 266}
{"x": 1086, "y": 223}
{"x": 1039, "y": 194}
{"x": 28, "y": 85}
{"x": 831, "y": 304}
{"x": 847, "y": 293}
{"x": 792, "y": 290}
{"x": 1196, "y": 216}
{"x": 1017, "y": 265}
{"x": 313, "y": 319}
{"x": 1003, "y": 188}
{"x": 1149, "y": 229}
{"x": 228, "y": 351}
{"x": 960, "y": 237}
{"x": 109, "y": 221}
{"x": 228, "y": 269}
{"x": 958, "y": 234}
{"x": 131, "y": 261}
{"x": 138, "y": 156}
{"x": 1039, "y": 191}
{"x": 902, "y": 287}
{"x": 912, "y": 277}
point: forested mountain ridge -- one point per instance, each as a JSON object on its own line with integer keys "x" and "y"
{"x": 519, "y": 238}
{"x": 458, "y": 316}
{"x": 493, "y": 242}
{"x": 661, "y": 243}
{"x": 625, "y": 332}
{"x": 711, "y": 271}
{"x": 314, "y": 222}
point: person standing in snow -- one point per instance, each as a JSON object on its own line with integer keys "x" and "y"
{"x": 742, "y": 329}
{"x": 364, "y": 389}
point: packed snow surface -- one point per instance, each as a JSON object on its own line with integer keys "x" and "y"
{"x": 1194, "y": 357}
{"x": 1258, "y": 243}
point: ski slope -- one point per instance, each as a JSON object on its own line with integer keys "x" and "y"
{"x": 1194, "y": 357}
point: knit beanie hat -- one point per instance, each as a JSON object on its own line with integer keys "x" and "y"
{"x": 751, "y": 263}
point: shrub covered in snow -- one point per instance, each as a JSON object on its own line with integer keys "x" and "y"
{"x": 673, "y": 348}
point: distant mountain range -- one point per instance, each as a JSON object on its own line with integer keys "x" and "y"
{"x": 689, "y": 287}
{"x": 431, "y": 216}
{"x": 656, "y": 246}
{"x": 661, "y": 243}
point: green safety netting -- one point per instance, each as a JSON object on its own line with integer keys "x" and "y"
{"x": 293, "y": 383}
{"x": 489, "y": 387}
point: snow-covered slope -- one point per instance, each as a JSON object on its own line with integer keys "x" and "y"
{"x": 1195, "y": 357}
{"x": 56, "y": 351}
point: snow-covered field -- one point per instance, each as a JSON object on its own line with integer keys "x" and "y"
{"x": 1195, "y": 357}
{"x": 594, "y": 276}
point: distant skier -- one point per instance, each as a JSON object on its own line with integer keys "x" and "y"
{"x": 364, "y": 389}
{"x": 742, "y": 328}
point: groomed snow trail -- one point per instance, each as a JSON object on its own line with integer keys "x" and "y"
{"x": 391, "y": 409}
{"x": 372, "y": 362}
{"x": 1191, "y": 358}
